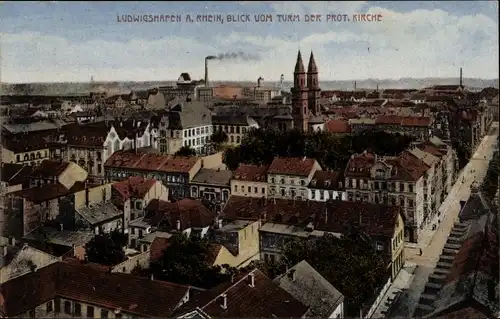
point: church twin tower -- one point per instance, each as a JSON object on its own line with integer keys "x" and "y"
{"x": 305, "y": 93}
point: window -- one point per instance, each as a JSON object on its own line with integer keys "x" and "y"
{"x": 249, "y": 189}
{"x": 104, "y": 313}
{"x": 282, "y": 181}
{"x": 49, "y": 306}
{"x": 99, "y": 168}
{"x": 232, "y": 139}
{"x": 263, "y": 190}
{"x": 410, "y": 188}
{"x": 90, "y": 312}
{"x": 313, "y": 193}
{"x": 235, "y": 188}
{"x": 31, "y": 313}
{"x": 99, "y": 156}
{"x": 321, "y": 195}
{"x": 401, "y": 187}
{"x": 67, "y": 307}
{"x": 273, "y": 180}
{"x": 238, "y": 139}
{"x": 57, "y": 305}
{"x": 138, "y": 205}
{"x": 282, "y": 192}
{"x": 401, "y": 201}
{"x": 303, "y": 182}
{"x": 255, "y": 190}
{"x": 78, "y": 309}
{"x": 18, "y": 158}
{"x": 410, "y": 203}
{"x": 380, "y": 246}
{"x": 243, "y": 130}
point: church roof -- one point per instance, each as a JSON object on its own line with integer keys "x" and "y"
{"x": 299, "y": 65}
{"x": 311, "y": 68}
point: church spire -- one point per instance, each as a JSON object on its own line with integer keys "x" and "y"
{"x": 299, "y": 65}
{"x": 311, "y": 68}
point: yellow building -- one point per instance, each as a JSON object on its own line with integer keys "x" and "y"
{"x": 237, "y": 243}
{"x": 250, "y": 180}
{"x": 27, "y": 156}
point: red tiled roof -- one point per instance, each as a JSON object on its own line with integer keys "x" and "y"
{"x": 286, "y": 211}
{"x": 265, "y": 299}
{"x": 373, "y": 219}
{"x": 299, "y": 166}
{"x": 338, "y": 126}
{"x": 157, "y": 247}
{"x": 129, "y": 159}
{"x": 133, "y": 187}
{"x": 47, "y": 192}
{"x": 416, "y": 121}
{"x": 49, "y": 169}
{"x": 327, "y": 180}
{"x": 251, "y": 173}
{"x": 360, "y": 164}
{"x": 190, "y": 212}
{"x": 431, "y": 148}
{"x": 407, "y": 167}
{"x": 84, "y": 284}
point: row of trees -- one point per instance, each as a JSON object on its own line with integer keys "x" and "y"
{"x": 490, "y": 183}
{"x": 332, "y": 151}
{"x": 349, "y": 263}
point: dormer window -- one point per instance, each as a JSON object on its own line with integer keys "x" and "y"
{"x": 303, "y": 182}
{"x": 313, "y": 182}
{"x": 282, "y": 181}
{"x": 327, "y": 183}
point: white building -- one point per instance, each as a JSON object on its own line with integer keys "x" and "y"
{"x": 326, "y": 185}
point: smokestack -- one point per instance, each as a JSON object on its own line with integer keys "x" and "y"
{"x": 461, "y": 83}
{"x": 354, "y": 85}
{"x": 86, "y": 194}
{"x": 206, "y": 72}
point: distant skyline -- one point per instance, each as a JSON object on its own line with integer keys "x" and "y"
{"x": 70, "y": 42}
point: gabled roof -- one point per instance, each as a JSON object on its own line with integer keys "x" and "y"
{"x": 307, "y": 285}
{"x": 132, "y": 295}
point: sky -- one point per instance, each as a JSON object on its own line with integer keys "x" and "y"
{"x": 72, "y": 41}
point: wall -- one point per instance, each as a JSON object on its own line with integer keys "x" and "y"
{"x": 338, "y": 312}
{"x": 28, "y": 158}
{"x": 213, "y": 161}
{"x": 128, "y": 265}
{"x": 73, "y": 173}
{"x": 377, "y": 300}
{"x": 240, "y": 188}
{"x": 7, "y": 156}
{"x": 227, "y": 92}
{"x": 315, "y": 194}
{"x": 195, "y": 169}
{"x": 96, "y": 194}
{"x": 397, "y": 248}
{"x": 158, "y": 191}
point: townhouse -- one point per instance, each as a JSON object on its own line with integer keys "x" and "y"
{"x": 212, "y": 185}
{"x": 235, "y": 126}
{"x": 283, "y": 219}
{"x": 326, "y": 185}
{"x": 174, "y": 172}
{"x": 27, "y": 148}
{"x": 250, "y": 180}
{"x": 188, "y": 123}
{"x": 289, "y": 177}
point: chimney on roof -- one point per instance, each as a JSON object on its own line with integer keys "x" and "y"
{"x": 219, "y": 223}
{"x": 152, "y": 277}
{"x": 251, "y": 280}
{"x": 292, "y": 275}
{"x": 178, "y": 225}
{"x": 61, "y": 226}
{"x": 206, "y": 72}
{"x": 224, "y": 301}
{"x": 354, "y": 85}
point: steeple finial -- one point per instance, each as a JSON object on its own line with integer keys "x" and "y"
{"x": 299, "y": 65}
{"x": 311, "y": 68}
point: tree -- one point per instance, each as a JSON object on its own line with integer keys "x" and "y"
{"x": 219, "y": 137}
{"x": 232, "y": 157}
{"x": 356, "y": 270}
{"x": 490, "y": 182}
{"x": 102, "y": 249}
{"x": 185, "y": 261}
{"x": 186, "y": 151}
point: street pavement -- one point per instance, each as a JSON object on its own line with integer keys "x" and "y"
{"x": 410, "y": 282}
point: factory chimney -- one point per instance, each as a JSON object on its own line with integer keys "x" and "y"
{"x": 206, "y": 72}
{"x": 259, "y": 80}
{"x": 461, "y": 83}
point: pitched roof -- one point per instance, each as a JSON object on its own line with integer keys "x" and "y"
{"x": 337, "y": 126}
{"x": 359, "y": 165}
{"x": 128, "y": 159}
{"x": 298, "y": 166}
{"x": 47, "y": 192}
{"x": 99, "y": 212}
{"x": 373, "y": 219}
{"x": 85, "y": 284}
{"x": 251, "y": 173}
{"x": 133, "y": 187}
{"x": 29, "y": 141}
{"x": 212, "y": 177}
{"x": 49, "y": 169}
{"x": 10, "y": 170}
{"x": 305, "y": 284}
{"x": 327, "y": 180}
{"x": 264, "y": 299}
{"x": 190, "y": 213}
{"x": 157, "y": 247}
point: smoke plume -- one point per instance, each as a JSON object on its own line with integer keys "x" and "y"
{"x": 234, "y": 56}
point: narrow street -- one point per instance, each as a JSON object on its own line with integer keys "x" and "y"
{"x": 411, "y": 282}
